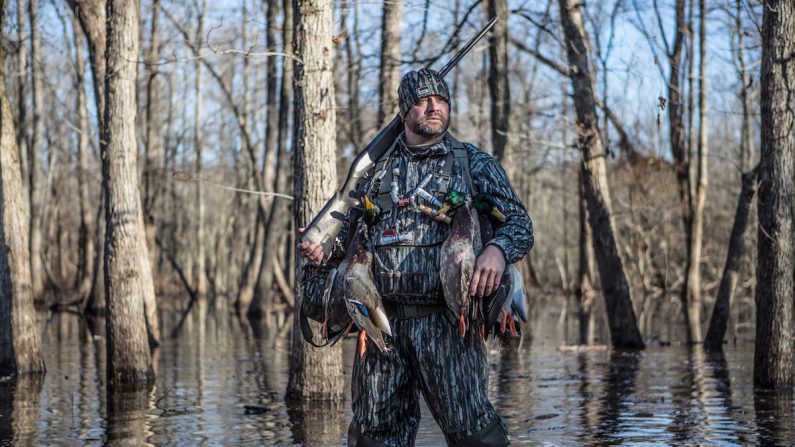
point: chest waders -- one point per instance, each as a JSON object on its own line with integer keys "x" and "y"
{"x": 406, "y": 242}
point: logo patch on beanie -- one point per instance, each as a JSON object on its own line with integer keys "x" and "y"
{"x": 423, "y": 91}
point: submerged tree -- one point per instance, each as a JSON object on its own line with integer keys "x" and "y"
{"x": 34, "y": 169}
{"x": 129, "y": 358}
{"x": 20, "y": 345}
{"x": 775, "y": 277}
{"x": 91, "y": 16}
{"x": 623, "y": 326}
{"x": 315, "y": 373}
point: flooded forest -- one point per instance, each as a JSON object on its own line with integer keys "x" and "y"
{"x": 157, "y": 158}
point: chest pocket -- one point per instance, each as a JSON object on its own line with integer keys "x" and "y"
{"x": 408, "y": 272}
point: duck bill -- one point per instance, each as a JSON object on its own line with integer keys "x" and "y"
{"x": 381, "y": 321}
{"x": 498, "y": 215}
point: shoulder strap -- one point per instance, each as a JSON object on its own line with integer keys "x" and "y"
{"x": 382, "y": 178}
{"x": 462, "y": 158}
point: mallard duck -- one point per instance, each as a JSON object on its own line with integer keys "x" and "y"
{"x": 485, "y": 203}
{"x": 372, "y": 212}
{"x": 362, "y": 299}
{"x": 457, "y": 262}
{"x": 452, "y": 200}
{"x": 506, "y": 306}
{"x": 336, "y": 321}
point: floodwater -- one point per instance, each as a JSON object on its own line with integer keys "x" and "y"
{"x": 221, "y": 381}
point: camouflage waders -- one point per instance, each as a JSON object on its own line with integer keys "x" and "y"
{"x": 431, "y": 358}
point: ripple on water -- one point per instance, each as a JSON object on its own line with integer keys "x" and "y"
{"x": 219, "y": 385}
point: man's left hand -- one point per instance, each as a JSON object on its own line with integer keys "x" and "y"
{"x": 489, "y": 267}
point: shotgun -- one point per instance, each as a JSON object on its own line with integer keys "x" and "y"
{"x": 326, "y": 225}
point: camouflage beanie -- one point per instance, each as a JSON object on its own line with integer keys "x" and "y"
{"x": 416, "y": 85}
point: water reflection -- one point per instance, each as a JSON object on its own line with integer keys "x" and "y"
{"x": 128, "y": 420}
{"x": 222, "y": 381}
{"x": 619, "y": 385}
{"x": 773, "y": 411}
{"x": 318, "y": 423}
{"x": 19, "y": 410}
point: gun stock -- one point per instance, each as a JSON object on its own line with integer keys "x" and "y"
{"x": 326, "y": 225}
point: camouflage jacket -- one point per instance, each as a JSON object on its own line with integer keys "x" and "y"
{"x": 407, "y": 271}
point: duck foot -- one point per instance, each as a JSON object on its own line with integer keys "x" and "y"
{"x": 512, "y": 327}
{"x": 362, "y": 343}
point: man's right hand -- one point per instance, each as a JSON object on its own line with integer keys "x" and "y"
{"x": 311, "y": 251}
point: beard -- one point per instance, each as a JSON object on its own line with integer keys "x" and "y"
{"x": 429, "y": 130}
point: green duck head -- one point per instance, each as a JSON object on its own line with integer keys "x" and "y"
{"x": 372, "y": 213}
{"x": 452, "y": 200}
{"x": 485, "y": 203}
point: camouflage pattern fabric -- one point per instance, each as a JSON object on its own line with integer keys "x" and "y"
{"x": 430, "y": 358}
{"x": 408, "y": 272}
{"x": 416, "y": 85}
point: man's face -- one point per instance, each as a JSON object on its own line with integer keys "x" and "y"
{"x": 428, "y": 118}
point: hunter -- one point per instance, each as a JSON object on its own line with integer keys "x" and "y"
{"x": 429, "y": 356}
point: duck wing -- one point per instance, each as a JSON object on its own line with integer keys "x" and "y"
{"x": 517, "y": 293}
{"x": 456, "y": 268}
{"x": 360, "y": 287}
{"x": 361, "y": 318}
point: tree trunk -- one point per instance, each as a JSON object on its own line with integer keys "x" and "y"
{"x": 152, "y": 153}
{"x": 586, "y": 295}
{"x": 315, "y": 374}
{"x": 85, "y": 233}
{"x": 129, "y": 358}
{"x": 696, "y": 231}
{"x": 679, "y": 150}
{"x": 263, "y": 300}
{"x": 199, "y": 267}
{"x": 747, "y": 137}
{"x": 354, "y": 70}
{"x": 36, "y": 268}
{"x": 389, "y": 76}
{"x": 248, "y": 281}
{"x": 20, "y": 344}
{"x": 91, "y": 15}
{"x": 22, "y": 67}
{"x": 720, "y": 313}
{"x": 153, "y": 147}
{"x": 285, "y": 101}
{"x": 623, "y": 325}
{"x": 248, "y": 277}
{"x": 775, "y": 275}
{"x": 498, "y": 78}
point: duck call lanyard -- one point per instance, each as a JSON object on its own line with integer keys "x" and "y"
{"x": 386, "y": 184}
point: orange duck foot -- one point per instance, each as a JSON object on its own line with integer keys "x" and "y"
{"x": 504, "y": 318}
{"x": 362, "y": 344}
{"x": 512, "y": 327}
{"x": 462, "y": 325}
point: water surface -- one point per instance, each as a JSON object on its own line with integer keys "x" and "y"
{"x": 221, "y": 381}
